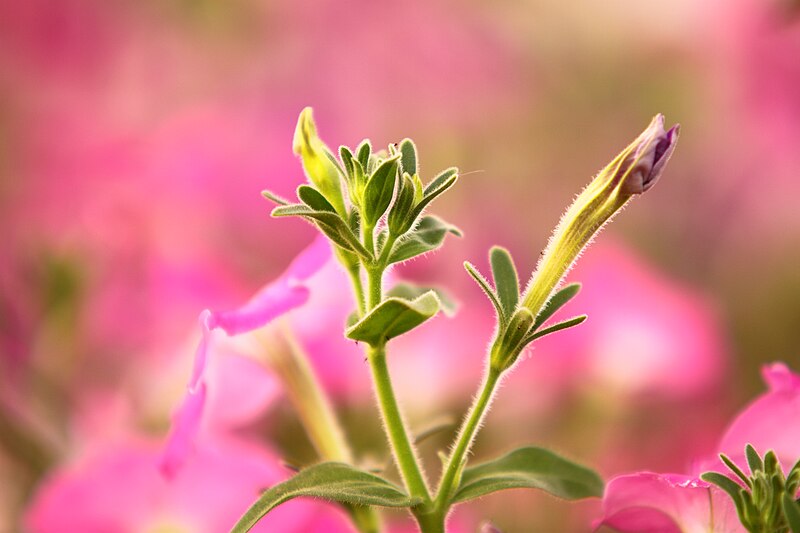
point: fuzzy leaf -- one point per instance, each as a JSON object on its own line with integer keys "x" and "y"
{"x": 271, "y": 196}
{"x": 337, "y": 482}
{"x": 329, "y": 223}
{"x": 314, "y": 199}
{"x": 441, "y": 178}
{"x": 556, "y": 302}
{"x": 409, "y": 291}
{"x": 791, "y": 510}
{"x": 408, "y": 157}
{"x": 379, "y": 191}
{"x": 506, "y": 281}
{"x": 733, "y": 489}
{"x": 753, "y": 459}
{"x": 432, "y": 192}
{"x": 393, "y": 317}
{"x": 533, "y": 468}
{"x": 571, "y": 323}
{"x": 363, "y": 153}
{"x": 483, "y": 283}
{"x": 427, "y": 236}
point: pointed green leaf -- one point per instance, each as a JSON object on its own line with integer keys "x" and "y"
{"x": 379, "y": 192}
{"x": 432, "y": 193}
{"x": 317, "y": 162}
{"x": 329, "y": 223}
{"x": 733, "y": 467}
{"x": 409, "y": 291}
{"x": 753, "y": 459}
{"x": 733, "y": 489}
{"x": 440, "y": 179}
{"x": 556, "y": 302}
{"x": 427, "y": 236}
{"x": 408, "y": 157}
{"x": 791, "y": 510}
{"x": 393, "y": 317}
{"x": 483, "y": 283}
{"x": 571, "y": 323}
{"x": 533, "y": 468}
{"x": 363, "y": 153}
{"x": 269, "y": 195}
{"x": 314, "y": 199}
{"x": 506, "y": 282}
{"x": 347, "y": 158}
{"x": 337, "y": 482}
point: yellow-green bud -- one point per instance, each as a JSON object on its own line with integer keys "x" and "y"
{"x": 318, "y": 166}
{"x": 634, "y": 171}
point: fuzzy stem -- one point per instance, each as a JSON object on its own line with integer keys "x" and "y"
{"x": 402, "y": 449}
{"x": 466, "y": 437}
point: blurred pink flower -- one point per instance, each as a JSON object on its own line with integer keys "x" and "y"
{"x": 663, "y": 503}
{"x": 646, "y": 335}
{"x": 275, "y": 299}
{"x": 119, "y": 490}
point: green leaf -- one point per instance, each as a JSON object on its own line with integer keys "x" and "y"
{"x": 753, "y": 459}
{"x": 329, "y": 223}
{"x": 337, "y": 482}
{"x": 571, "y": 323}
{"x": 731, "y": 487}
{"x": 432, "y": 193}
{"x": 314, "y": 199}
{"x": 440, "y": 179}
{"x": 427, "y": 236}
{"x": 347, "y": 158}
{"x": 408, "y": 157}
{"x": 393, "y": 317}
{"x": 379, "y": 191}
{"x": 363, "y": 152}
{"x": 733, "y": 467}
{"x": 506, "y": 282}
{"x": 409, "y": 291}
{"x": 399, "y": 220}
{"x": 269, "y": 195}
{"x": 556, "y": 302}
{"x": 533, "y": 468}
{"x": 791, "y": 510}
{"x": 483, "y": 283}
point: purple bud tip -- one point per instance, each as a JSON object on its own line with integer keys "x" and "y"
{"x": 649, "y": 155}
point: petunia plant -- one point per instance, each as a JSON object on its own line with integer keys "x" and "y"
{"x": 373, "y": 208}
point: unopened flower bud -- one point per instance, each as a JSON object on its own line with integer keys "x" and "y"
{"x": 317, "y": 160}
{"x": 634, "y": 171}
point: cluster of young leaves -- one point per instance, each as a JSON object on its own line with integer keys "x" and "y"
{"x": 384, "y": 193}
{"x": 517, "y": 326}
{"x": 766, "y": 500}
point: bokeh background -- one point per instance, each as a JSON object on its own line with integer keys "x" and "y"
{"x": 135, "y": 138}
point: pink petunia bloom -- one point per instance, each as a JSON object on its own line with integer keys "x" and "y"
{"x": 119, "y": 490}
{"x": 646, "y": 502}
{"x": 282, "y": 295}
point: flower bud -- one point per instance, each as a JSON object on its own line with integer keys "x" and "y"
{"x": 634, "y": 171}
{"x": 317, "y": 160}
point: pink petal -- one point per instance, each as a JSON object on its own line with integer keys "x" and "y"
{"x": 274, "y": 300}
{"x": 765, "y": 422}
{"x": 185, "y": 425}
{"x": 667, "y": 503}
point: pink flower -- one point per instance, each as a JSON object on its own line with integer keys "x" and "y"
{"x": 282, "y": 295}
{"x": 645, "y": 502}
{"x": 119, "y": 490}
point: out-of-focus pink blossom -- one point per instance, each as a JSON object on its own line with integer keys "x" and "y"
{"x": 120, "y": 490}
{"x": 646, "y": 335}
{"x": 664, "y": 503}
{"x": 275, "y": 299}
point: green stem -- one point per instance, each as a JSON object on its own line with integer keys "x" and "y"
{"x": 402, "y": 449}
{"x": 358, "y": 288}
{"x": 374, "y": 287}
{"x": 466, "y": 437}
